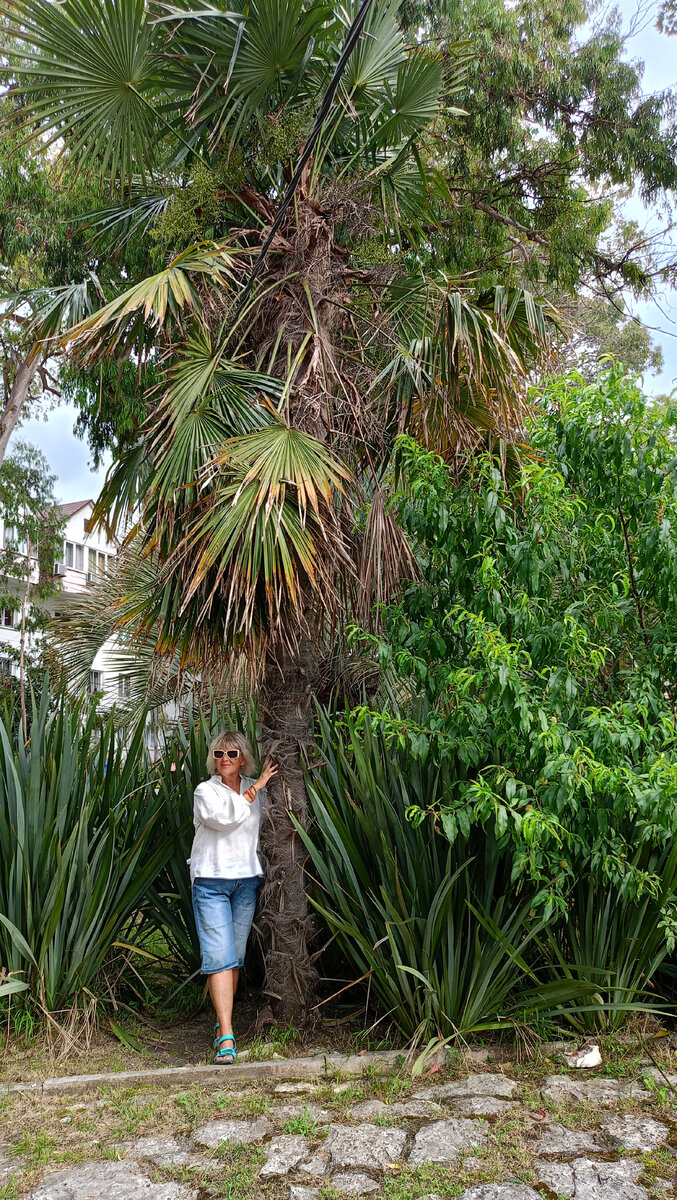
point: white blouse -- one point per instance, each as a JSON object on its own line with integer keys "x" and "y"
{"x": 226, "y": 839}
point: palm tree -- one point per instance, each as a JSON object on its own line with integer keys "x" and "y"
{"x": 260, "y": 486}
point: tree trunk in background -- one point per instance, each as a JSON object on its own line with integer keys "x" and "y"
{"x": 287, "y": 719}
{"x": 22, "y": 659}
{"x": 16, "y": 399}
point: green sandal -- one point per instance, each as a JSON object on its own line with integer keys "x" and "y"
{"x": 225, "y": 1054}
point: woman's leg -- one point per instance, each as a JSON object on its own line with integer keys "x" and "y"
{"x": 222, "y": 987}
{"x": 243, "y": 906}
{"x": 214, "y": 921}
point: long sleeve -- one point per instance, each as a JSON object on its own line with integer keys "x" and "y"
{"x": 220, "y": 809}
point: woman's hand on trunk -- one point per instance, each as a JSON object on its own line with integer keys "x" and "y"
{"x": 269, "y": 771}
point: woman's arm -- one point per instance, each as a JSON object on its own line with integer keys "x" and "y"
{"x": 222, "y": 810}
{"x": 269, "y": 771}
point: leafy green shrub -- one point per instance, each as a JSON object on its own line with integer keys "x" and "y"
{"x": 440, "y": 930}
{"x": 81, "y": 839}
{"x": 529, "y": 682}
{"x": 540, "y": 644}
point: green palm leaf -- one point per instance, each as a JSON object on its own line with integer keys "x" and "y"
{"x": 378, "y": 56}
{"x": 414, "y": 102}
{"x": 154, "y": 300}
{"x": 88, "y": 71}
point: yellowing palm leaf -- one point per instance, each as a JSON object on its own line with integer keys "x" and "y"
{"x": 154, "y": 299}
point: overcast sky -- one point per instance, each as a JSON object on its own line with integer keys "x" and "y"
{"x": 68, "y": 457}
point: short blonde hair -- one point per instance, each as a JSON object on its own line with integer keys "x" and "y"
{"x": 230, "y": 739}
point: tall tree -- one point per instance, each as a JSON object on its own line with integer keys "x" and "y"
{"x": 262, "y": 472}
{"x": 33, "y": 531}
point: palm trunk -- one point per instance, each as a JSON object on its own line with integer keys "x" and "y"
{"x": 286, "y": 713}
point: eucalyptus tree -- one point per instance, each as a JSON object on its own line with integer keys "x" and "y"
{"x": 261, "y": 478}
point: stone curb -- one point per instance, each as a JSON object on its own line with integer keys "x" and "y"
{"x": 320, "y": 1066}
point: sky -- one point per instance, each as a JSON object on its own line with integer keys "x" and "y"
{"x": 68, "y": 456}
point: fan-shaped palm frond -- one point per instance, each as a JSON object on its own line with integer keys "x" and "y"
{"x": 413, "y": 103}
{"x": 57, "y": 309}
{"x": 88, "y": 71}
{"x": 154, "y": 300}
{"x": 378, "y": 56}
{"x": 236, "y": 64}
{"x": 202, "y": 369}
{"x": 99, "y": 619}
{"x": 265, "y": 539}
{"x": 114, "y": 225}
{"x": 464, "y": 364}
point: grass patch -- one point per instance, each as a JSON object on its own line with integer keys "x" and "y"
{"x": 241, "y": 1180}
{"x": 302, "y": 1124}
{"x": 35, "y": 1149}
{"x": 131, "y": 1115}
{"x": 277, "y": 1041}
{"x": 255, "y": 1106}
{"x": 417, "y": 1181}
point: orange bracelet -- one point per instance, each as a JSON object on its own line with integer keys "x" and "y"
{"x": 251, "y": 794}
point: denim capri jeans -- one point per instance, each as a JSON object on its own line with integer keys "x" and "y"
{"x": 224, "y": 911}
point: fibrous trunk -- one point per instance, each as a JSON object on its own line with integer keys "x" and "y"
{"x": 286, "y": 714}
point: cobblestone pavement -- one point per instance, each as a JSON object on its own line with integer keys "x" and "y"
{"x": 492, "y": 1135}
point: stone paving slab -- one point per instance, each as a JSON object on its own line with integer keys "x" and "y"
{"x": 284, "y": 1153}
{"x": 242, "y": 1132}
{"x": 442, "y": 1141}
{"x": 109, "y": 1181}
{"x": 315, "y": 1166}
{"x": 565, "y": 1089}
{"x": 583, "y": 1179}
{"x": 287, "y": 1112}
{"x": 568, "y": 1143}
{"x": 479, "y": 1106}
{"x": 164, "y": 1152}
{"x": 501, "y": 1191}
{"x": 370, "y": 1146}
{"x": 491, "y": 1084}
{"x": 636, "y": 1132}
{"x": 354, "y": 1183}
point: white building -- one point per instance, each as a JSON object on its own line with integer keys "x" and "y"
{"x": 86, "y": 555}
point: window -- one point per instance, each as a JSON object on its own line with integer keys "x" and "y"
{"x": 69, "y": 554}
{"x": 124, "y": 687}
{"x": 12, "y": 541}
{"x": 91, "y": 559}
{"x": 102, "y": 562}
{"x": 95, "y": 682}
{"x": 5, "y": 666}
{"x": 7, "y": 617}
{"x": 79, "y": 558}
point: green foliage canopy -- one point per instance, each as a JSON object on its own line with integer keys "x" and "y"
{"x": 538, "y": 651}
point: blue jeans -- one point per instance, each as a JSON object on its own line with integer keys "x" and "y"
{"x": 224, "y": 911}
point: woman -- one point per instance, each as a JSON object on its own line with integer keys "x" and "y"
{"x": 225, "y": 872}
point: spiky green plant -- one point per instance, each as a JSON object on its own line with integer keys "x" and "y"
{"x": 82, "y": 836}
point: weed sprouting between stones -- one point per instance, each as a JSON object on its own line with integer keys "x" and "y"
{"x": 303, "y": 1124}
